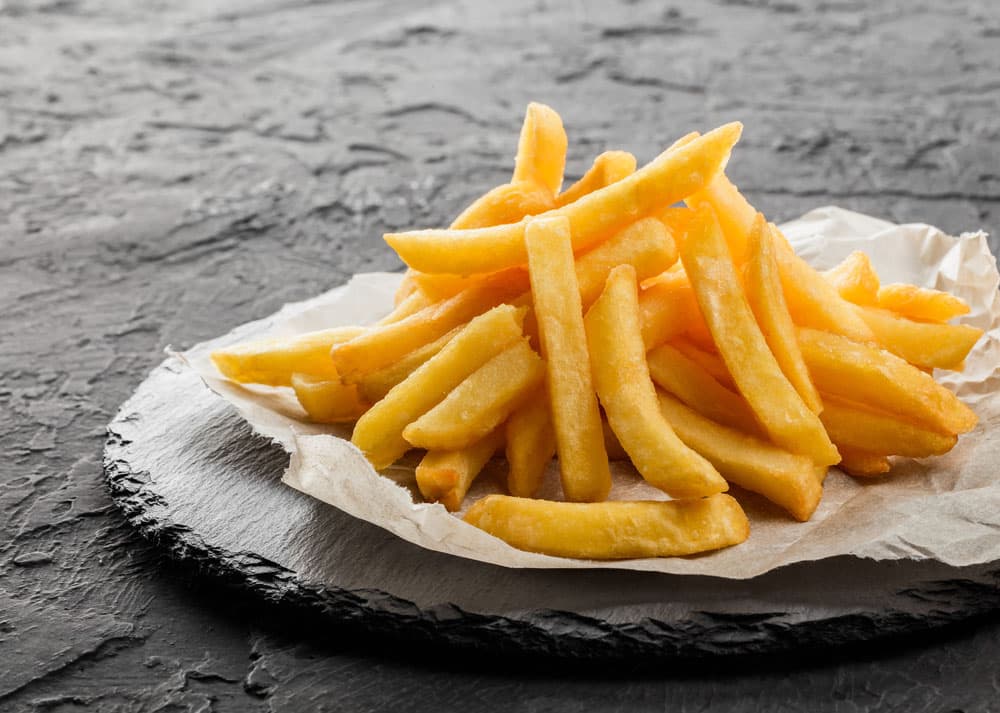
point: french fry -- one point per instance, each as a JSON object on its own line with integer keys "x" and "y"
{"x": 690, "y": 382}
{"x": 614, "y": 529}
{"x": 379, "y": 433}
{"x": 583, "y": 462}
{"x": 373, "y": 386}
{"x": 405, "y": 289}
{"x": 855, "y": 279}
{"x": 541, "y": 149}
{"x": 328, "y": 400}
{"x": 442, "y": 286}
{"x": 920, "y": 303}
{"x": 415, "y": 301}
{"x": 674, "y": 175}
{"x": 791, "y": 481}
{"x": 611, "y": 443}
{"x": 381, "y": 346}
{"x": 777, "y": 405}
{"x": 865, "y": 374}
{"x": 610, "y": 167}
{"x": 812, "y": 301}
{"x": 507, "y": 203}
{"x": 445, "y": 476}
{"x": 734, "y": 212}
{"x": 709, "y": 361}
{"x": 531, "y": 444}
{"x": 272, "y": 362}
{"x": 668, "y": 309}
{"x": 628, "y": 396}
{"x": 481, "y": 402}
{"x": 767, "y": 301}
{"x": 646, "y": 245}
{"x": 924, "y": 344}
{"x": 861, "y": 429}
{"x": 862, "y": 464}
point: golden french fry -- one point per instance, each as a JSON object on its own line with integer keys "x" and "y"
{"x": 767, "y": 301}
{"x": 924, "y": 344}
{"x": 594, "y": 217}
{"x": 777, "y": 405}
{"x": 812, "y": 301}
{"x": 375, "y": 385}
{"x": 611, "y": 443}
{"x": 862, "y": 429}
{"x": 415, "y": 301}
{"x": 610, "y": 167}
{"x": 405, "y": 289}
{"x": 709, "y": 361}
{"x": 507, "y": 203}
{"x": 734, "y": 212}
{"x": 614, "y": 529}
{"x": 868, "y": 375}
{"x": 862, "y": 464}
{"x": 380, "y": 346}
{"x": 541, "y": 149}
{"x": 379, "y": 433}
{"x": 442, "y": 286}
{"x": 328, "y": 400}
{"x": 689, "y": 381}
{"x": 628, "y": 396}
{"x": 273, "y": 361}
{"x": 531, "y": 444}
{"x": 668, "y": 309}
{"x": 445, "y": 476}
{"x": 583, "y": 462}
{"x": 920, "y": 303}
{"x": 646, "y": 245}
{"x": 481, "y": 402}
{"x": 855, "y": 279}
{"x": 792, "y": 481}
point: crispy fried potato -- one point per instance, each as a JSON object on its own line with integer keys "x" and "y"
{"x": 767, "y": 301}
{"x": 328, "y": 400}
{"x": 628, "y": 396}
{"x": 405, "y": 289}
{"x": 733, "y": 211}
{"x": 610, "y": 167}
{"x": 531, "y": 444}
{"x": 381, "y": 346}
{"x": 541, "y": 149}
{"x": 273, "y": 361}
{"x": 812, "y": 301}
{"x": 862, "y": 464}
{"x": 868, "y": 375}
{"x": 924, "y": 344}
{"x": 862, "y": 429}
{"x": 791, "y": 481}
{"x": 415, "y": 301}
{"x": 646, "y": 245}
{"x": 481, "y": 402}
{"x": 611, "y": 443}
{"x": 707, "y": 360}
{"x": 445, "y": 476}
{"x": 920, "y": 303}
{"x": 379, "y": 433}
{"x": 777, "y": 405}
{"x": 615, "y": 529}
{"x": 855, "y": 279}
{"x": 507, "y": 203}
{"x": 375, "y": 385}
{"x": 594, "y": 217}
{"x": 689, "y": 381}
{"x": 583, "y": 462}
{"x": 442, "y": 286}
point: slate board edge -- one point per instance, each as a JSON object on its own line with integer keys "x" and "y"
{"x": 554, "y": 633}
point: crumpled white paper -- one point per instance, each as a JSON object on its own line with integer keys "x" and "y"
{"x": 945, "y": 508}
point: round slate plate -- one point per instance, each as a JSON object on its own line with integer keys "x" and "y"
{"x": 189, "y": 472}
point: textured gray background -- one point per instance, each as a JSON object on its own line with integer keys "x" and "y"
{"x": 168, "y": 170}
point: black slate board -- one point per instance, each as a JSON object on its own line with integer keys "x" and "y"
{"x": 188, "y": 472}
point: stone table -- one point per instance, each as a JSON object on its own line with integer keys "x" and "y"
{"x": 169, "y": 170}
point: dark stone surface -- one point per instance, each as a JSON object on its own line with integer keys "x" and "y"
{"x": 189, "y": 474}
{"x": 169, "y": 170}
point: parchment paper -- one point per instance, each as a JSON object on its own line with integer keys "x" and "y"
{"x": 945, "y": 508}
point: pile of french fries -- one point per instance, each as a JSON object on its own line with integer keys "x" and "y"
{"x": 651, "y": 315}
